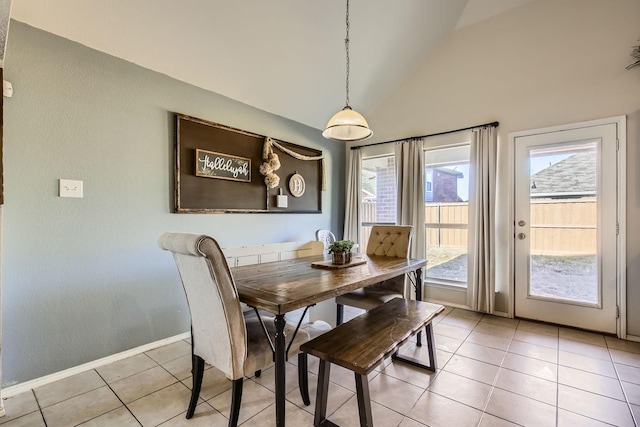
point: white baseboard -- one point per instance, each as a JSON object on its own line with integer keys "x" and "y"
{"x": 634, "y": 338}
{"x": 47, "y": 379}
{"x": 502, "y": 314}
{"x": 447, "y": 303}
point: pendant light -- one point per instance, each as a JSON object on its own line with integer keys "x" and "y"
{"x": 347, "y": 124}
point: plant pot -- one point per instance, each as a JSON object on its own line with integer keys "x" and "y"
{"x": 340, "y": 258}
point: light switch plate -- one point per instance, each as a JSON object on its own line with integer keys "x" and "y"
{"x": 70, "y": 188}
{"x": 281, "y": 201}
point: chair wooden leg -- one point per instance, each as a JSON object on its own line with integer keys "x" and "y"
{"x": 236, "y": 400}
{"x": 339, "y": 314}
{"x": 197, "y": 370}
{"x": 303, "y": 378}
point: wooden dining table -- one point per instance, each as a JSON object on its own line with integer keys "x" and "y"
{"x": 284, "y": 286}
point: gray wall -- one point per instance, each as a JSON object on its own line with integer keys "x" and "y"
{"x": 83, "y": 278}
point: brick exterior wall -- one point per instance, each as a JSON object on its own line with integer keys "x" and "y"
{"x": 386, "y": 193}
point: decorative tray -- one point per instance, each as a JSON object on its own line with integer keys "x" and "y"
{"x": 329, "y": 263}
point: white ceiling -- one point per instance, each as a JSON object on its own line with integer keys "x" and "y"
{"x": 286, "y": 57}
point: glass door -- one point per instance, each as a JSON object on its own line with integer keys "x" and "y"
{"x": 565, "y": 227}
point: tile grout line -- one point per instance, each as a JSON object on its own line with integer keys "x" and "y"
{"x": 626, "y": 399}
{"x": 118, "y": 397}
{"x": 495, "y": 381}
{"x": 41, "y": 408}
{"x": 456, "y": 353}
{"x": 437, "y": 373}
{"x": 144, "y": 370}
{"x": 44, "y": 420}
{"x": 624, "y": 392}
{"x": 493, "y": 387}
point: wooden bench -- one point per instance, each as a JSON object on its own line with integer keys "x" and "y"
{"x": 364, "y": 342}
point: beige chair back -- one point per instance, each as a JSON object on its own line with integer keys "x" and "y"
{"x": 218, "y": 328}
{"x": 390, "y": 240}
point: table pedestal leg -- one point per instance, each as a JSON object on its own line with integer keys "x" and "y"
{"x": 281, "y": 348}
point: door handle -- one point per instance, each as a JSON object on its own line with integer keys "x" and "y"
{"x": 521, "y": 236}
{"x": 522, "y": 223}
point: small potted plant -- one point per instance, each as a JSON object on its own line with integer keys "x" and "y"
{"x": 341, "y": 251}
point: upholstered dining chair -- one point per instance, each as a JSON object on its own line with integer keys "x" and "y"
{"x": 221, "y": 334}
{"x": 385, "y": 240}
{"x": 326, "y": 237}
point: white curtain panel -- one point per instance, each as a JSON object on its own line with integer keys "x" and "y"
{"x": 410, "y": 181}
{"x": 353, "y": 196}
{"x": 1, "y": 401}
{"x": 482, "y": 213}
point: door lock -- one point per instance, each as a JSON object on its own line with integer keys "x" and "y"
{"x": 522, "y": 223}
{"x": 521, "y": 236}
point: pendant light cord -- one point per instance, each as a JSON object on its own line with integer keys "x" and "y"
{"x": 346, "y": 45}
{"x": 347, "y": 124}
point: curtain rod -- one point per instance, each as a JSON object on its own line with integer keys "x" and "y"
{"x": 492, "y": 124}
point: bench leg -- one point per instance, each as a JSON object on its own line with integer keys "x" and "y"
{"x": 364, "y": 400}
{"x": 431, "y": 346}
{"x": 322, "y": 394}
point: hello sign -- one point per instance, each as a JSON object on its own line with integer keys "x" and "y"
{"x": 210, "y": 164}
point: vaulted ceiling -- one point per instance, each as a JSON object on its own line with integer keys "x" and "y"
{"x": 286, "y": 57}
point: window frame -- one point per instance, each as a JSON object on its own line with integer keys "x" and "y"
{"x": 440, "y": 281}
{"x": 435, "y": 290}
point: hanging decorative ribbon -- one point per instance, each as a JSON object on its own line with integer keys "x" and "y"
{"x": 272, "y": 162}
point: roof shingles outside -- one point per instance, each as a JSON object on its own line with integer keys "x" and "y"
{"x": 575, "y": 175}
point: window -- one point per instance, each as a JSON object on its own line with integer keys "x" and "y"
{"x": 446, "y": 214}
{"x": 379, "y": 193}
{"x": 447, "y": 166}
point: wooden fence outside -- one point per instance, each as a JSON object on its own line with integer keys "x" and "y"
{"x": 558, "y": 227}
{"x": 564, "y": 227}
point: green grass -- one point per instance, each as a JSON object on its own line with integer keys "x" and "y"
{"x": 563, "y": 277}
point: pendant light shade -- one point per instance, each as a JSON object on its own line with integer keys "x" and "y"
{"x": 347, "y": 124}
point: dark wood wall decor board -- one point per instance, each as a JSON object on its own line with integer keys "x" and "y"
{"x": 310, "y": 170}
{"x": 202, "y": 194}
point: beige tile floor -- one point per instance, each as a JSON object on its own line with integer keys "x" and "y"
{"x": 493, "y": 372}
